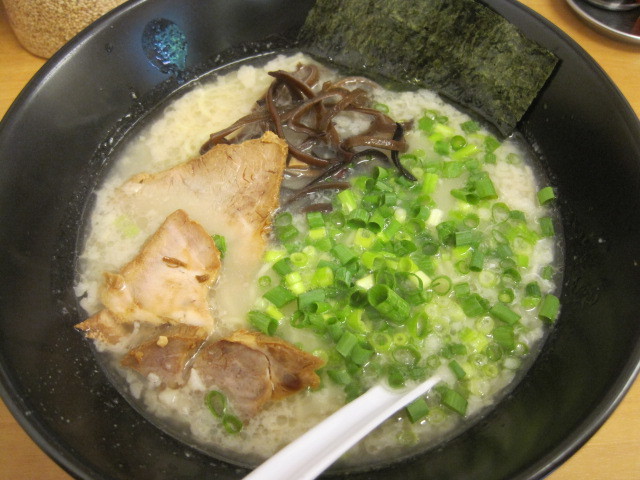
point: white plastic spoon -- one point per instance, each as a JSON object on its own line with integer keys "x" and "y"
{"x": 312, "y": 453}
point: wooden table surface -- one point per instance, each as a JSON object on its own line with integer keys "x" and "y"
{"x": 613, "y": 453}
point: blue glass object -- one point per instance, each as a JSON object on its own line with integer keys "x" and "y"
{"x": 165, "y": 45}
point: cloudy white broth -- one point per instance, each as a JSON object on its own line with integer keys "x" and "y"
{"x": 442, "y": 262}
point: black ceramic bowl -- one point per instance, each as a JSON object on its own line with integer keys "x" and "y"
{"x": 56, "y": 139}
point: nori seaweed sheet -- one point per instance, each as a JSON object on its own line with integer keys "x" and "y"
{"x": 460, "y": 48}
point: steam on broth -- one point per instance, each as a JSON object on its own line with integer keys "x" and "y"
{"x": 440, "y": 259}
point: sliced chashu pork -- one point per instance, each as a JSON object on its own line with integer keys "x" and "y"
{"x": 168, "y": 354}
{"x": 231, "y": 189}
{"x": 167, "y": 282}
{"x": 252, "y": 369}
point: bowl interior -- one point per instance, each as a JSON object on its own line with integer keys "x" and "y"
{"x": 56, "y": 140}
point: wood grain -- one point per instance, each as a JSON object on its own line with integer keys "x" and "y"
{"x": 612, "y": 453}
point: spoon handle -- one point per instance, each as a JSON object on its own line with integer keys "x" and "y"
{"x": 312, "y": 453}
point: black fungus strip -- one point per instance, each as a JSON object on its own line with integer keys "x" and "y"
{"x": 318, "y": 207}
{"x": 395, "y": 155}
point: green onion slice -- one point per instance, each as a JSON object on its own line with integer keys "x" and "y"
{"x": 221, "y": 244}
{"x": 407, "y": 355}
{"x": 504, "y": 313}
{"x": 545, "y": 195}
{"x": 216, "y": 402}
{"x": 454, "y": 400}
{"x": 263, "y": 322}
{"x": 232, "y": 424}
{"x": 389, "y": 303}
{"x": 417, "y": 410}
{"x": 441, "y": 285}
{"x": 279, "y": 296}
{"x": 549, "y": 308}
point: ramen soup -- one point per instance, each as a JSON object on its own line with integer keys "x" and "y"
{"x": 240, "y": 288}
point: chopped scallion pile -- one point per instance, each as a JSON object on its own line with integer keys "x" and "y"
{"x": 392, "y": 285}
